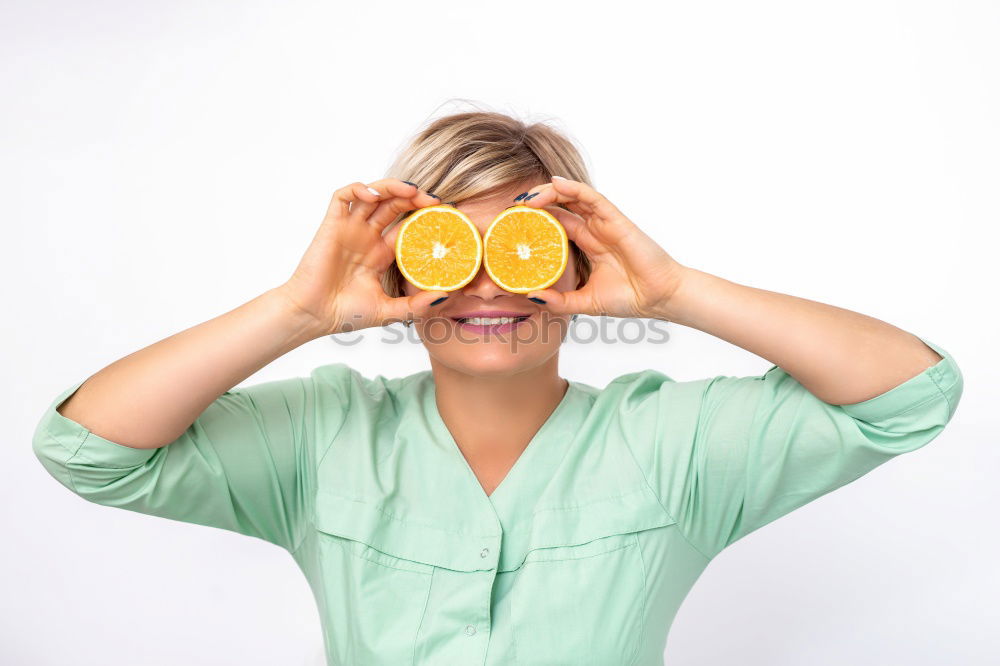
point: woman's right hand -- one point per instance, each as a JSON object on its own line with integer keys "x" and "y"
{"x": 338, "y": 280}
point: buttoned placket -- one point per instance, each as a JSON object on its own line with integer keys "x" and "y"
{"x": 462, "y": 586}
{"x": 477, "y": 631}
{"x": 472, "y": 588}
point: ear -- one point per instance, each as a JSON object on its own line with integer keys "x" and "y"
{"x": 580, "y": 281}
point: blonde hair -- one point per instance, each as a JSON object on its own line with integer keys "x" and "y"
{"x": 474, "y": 154}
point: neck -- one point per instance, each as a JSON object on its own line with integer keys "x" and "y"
{"x": 497, "y": 414}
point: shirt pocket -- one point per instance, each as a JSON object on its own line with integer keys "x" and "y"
{"x": 374, "y": 594}
{"x": 579, "y": 593}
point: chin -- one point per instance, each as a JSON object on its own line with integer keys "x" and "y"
{"x": 498, "y": 360}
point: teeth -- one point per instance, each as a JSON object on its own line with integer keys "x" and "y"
{"x": 489, "y": 321}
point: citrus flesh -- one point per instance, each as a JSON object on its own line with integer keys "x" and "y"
{"x": 438, "y": 248}
{"x": 525, "y": 249}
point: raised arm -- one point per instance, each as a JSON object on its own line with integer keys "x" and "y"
{"x": 148, "y": 398}
{"x": 841, "y": 356}
{"x": 162, "y": 431}
{"x": 728, "y": 455}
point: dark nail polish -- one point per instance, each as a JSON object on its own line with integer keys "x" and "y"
{"x": 452, "y": 203}
{"x": 532, "y": 196}
{"x": 414, "y": 184}
{"x": 434, "y": 195}
{"x": 443, "y": 298}
{"x": 520, "y": 196}
{"x": 537, "y": 300}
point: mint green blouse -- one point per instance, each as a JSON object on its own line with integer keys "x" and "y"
{"x": 582, "y": 555}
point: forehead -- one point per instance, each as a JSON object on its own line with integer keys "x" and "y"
{"x": 482, "y": 210}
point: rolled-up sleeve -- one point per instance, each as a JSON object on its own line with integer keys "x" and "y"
{"x": 240, "y": 466}
{"x": 761, "y": 446}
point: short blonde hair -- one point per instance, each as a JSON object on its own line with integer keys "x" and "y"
{"x": 474, "y": 154}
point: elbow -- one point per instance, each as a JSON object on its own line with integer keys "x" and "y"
{"x": 54, "y": 455}
{"x": 100, "y": 471}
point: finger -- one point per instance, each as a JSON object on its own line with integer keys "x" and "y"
{"x": 390, "y": 209}
{"x": 550, "y": 195}
{"x": 578, "y": 232}
{"x": 568, "y": 191}
{"x": 348, "y": 200}
{"x": 384, "y": 254}
{"x": 578, "y": 207}
{"x": 575, "y": 207}
{"x": 340, "y": 204}
{"x": 381, "y": 257}
{"x": 565, "y": 302}
{"x": 366, "y": 199}
{"x": 389, "y": 237}
{"x": 406, "y": 196}
{"x": 388, "y": 190}
{"x": 411, "y": 308}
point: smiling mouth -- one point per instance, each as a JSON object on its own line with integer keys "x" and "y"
{"x": 490, "y": 321}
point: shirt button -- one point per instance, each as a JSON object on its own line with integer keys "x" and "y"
{"x": 484, "y": 552}
{"x": 469, "y": 629}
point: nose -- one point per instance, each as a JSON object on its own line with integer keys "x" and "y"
{"x": 482, "y": 286}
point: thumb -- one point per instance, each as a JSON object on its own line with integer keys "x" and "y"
{"x": 559, "y": 302}
{"x": 417, "y": 306}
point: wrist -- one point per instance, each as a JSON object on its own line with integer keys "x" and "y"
{"x": 301, "y": 326}
{"x": 689, "y": 288}
{"x": 665, "y": 305}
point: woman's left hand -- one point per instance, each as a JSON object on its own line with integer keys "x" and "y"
{"x": 631, "y": 275}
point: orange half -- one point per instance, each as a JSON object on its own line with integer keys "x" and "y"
{"x": 438, "y": 248}
{"x": 525, "y": 249}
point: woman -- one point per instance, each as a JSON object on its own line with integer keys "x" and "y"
{"x": 487, "y": 510}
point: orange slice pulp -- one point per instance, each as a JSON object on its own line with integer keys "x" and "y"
{"x": 438, "y": 248}
{"x": 525, "y": 249}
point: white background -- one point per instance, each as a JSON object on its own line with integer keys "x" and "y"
{"x": 163, "y": 163}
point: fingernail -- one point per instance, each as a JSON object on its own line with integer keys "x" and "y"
{"x": 520, "y": 196}
{"x": 434, "y": 195}
{"x": 537, "y": 300}
{"x": 560, "y": 178}
{"x": 414, "y": 184}
{"x": 452, "y": 203}
{"x": 443, "y": 298}
{"x": 532, "y": 196}
{"x": 374, "y": 191}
